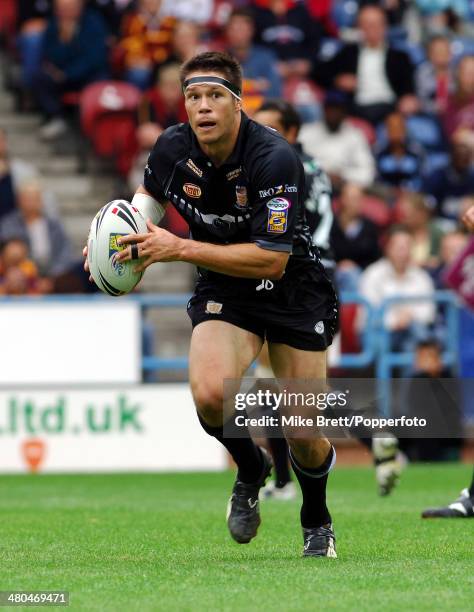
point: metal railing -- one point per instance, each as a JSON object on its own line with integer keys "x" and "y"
{"x": 375, "y": 339}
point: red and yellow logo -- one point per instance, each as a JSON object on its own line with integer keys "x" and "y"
{"x": 193, "y": 191}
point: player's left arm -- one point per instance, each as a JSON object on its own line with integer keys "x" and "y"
{"x": 241, "y": 260}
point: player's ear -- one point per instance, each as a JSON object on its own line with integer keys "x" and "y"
{"x": 238, "y": 105}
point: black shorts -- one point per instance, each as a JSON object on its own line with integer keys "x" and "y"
{"x": 301, "y": 312}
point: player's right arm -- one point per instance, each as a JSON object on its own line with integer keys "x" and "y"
{"x": 149, "y": 207}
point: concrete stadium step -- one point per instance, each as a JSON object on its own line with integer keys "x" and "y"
{"x": 20, "y": 122}
{"x": 171, "y": 277}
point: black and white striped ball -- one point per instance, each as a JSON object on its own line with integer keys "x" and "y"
{"x": 115, "y": 219}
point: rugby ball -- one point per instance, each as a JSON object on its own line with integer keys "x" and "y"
{"x": 115, "y": 219}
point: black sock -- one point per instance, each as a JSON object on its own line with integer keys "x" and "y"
{"x": 314, "y": 512}
{"x": 244, "y": 451}
{"x": 471, "y": 488}
{"x": 279, "y": 450}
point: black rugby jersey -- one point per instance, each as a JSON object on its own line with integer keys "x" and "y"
{"x": 318, "y": 205}
{"x": 257, "y": 195}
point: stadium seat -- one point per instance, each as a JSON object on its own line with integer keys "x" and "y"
{"x": 348, "y": 314}
{"x": 422, "y": 128}
{"x": 461, "y": 46}
{"x": 344, "y": 13}
{"x": 8, "y": 18}
{"x": 415, "y": 52}
{"x": 108, "y": 118}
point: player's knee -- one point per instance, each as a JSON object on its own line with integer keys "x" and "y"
{"x": 309, "y": 452}
{"x": 208, "y": 398}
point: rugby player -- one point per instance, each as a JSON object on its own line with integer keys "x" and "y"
{"x": 240, "y": 186}
{"x": 463, "y": 507}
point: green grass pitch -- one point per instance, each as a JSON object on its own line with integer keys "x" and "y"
{"x": 160, "y": 542}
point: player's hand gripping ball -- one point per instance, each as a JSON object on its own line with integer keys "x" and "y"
{"x": 114, "y": 220}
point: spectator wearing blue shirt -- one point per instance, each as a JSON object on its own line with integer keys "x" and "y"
{"x": 449, "y": 185}
{"x": 74, "y": 54}
{"x": 259, "y": 64}
{"x": 400, "y": 162}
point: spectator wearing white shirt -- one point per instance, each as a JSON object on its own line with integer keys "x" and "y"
{"x": 199, "y": 11}
{"x": 341, "y": 149}
{"x": 395, "y": 275}
{"x": 377, "y": 76}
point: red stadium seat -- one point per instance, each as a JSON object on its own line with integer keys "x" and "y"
{"x": 8, "y": 17}
{"x": 347, "y": 321}
{"x": 108, "y": 118}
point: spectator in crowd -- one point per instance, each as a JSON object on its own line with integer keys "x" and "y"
{"x": 459, "y": 112}
{"x": 146, "y": 41}
{"x": 400, "y": 161}
{"x": 160, "y": 108}
{"x": 259, "y": 64}
{"x": 416, "y": 211}
{"x": 32, "y": 16}
{"x": 18, "y": 274}
{"x": 452, "y": 244}
{"x": 74, "y": 54}
{"x": 186, "y": 42}
{"x": 48, "y": 244}
{"x": 455, "y": 181}
{"x": 339, "y": 147}
{"x": 379, "y": 77}
{"x": 396, "y": 275}
{"x": 14, "y": 171}
{"x": 112, "y": 12}
{"x": 427, "y": 397}
{"x": 354, "y": 239}
{"x": 434, "y": 77}
{"x": 288, "y": 29}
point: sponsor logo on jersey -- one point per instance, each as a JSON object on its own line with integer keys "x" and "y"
{"x": 277, "y": 190}
{"x": 278, "y": 204}
{"x": 191, "y": 190}
{"x": 233, "y": 174}
{"x": 241, "y": 196}
{"x": 319, "y": 327}
{"x": 213, "y": 308}
{"x": 277, "y": 215}
{"x": 118, "y": 268}
{"x": 192, "y": 166}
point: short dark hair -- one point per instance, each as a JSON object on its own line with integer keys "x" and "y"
{"x": 429, "y": 343}
{"x": 288, "y": 113}
{"x": 214, "y": 61}
{"x": 244, "y": 12}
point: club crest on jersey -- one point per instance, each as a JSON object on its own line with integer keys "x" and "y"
{"x": 241, "y": 196}
{"x": 118, "y": 268}
{"x": 277, "y": 215}
{"x": 192, "y": 166}
{"x": 214, "y": 308}
{"x": 233, "y": 174}
{"x": 191, "y": 190}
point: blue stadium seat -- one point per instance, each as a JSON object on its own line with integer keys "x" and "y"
{"x": 461, "y": 46}
{"x": 344, "y": 13}
{"x": 427, "y": 130}
{"x": 424, "y": 129}
{"x": 415, "y": 52}
{"x": 435, "y": 161}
